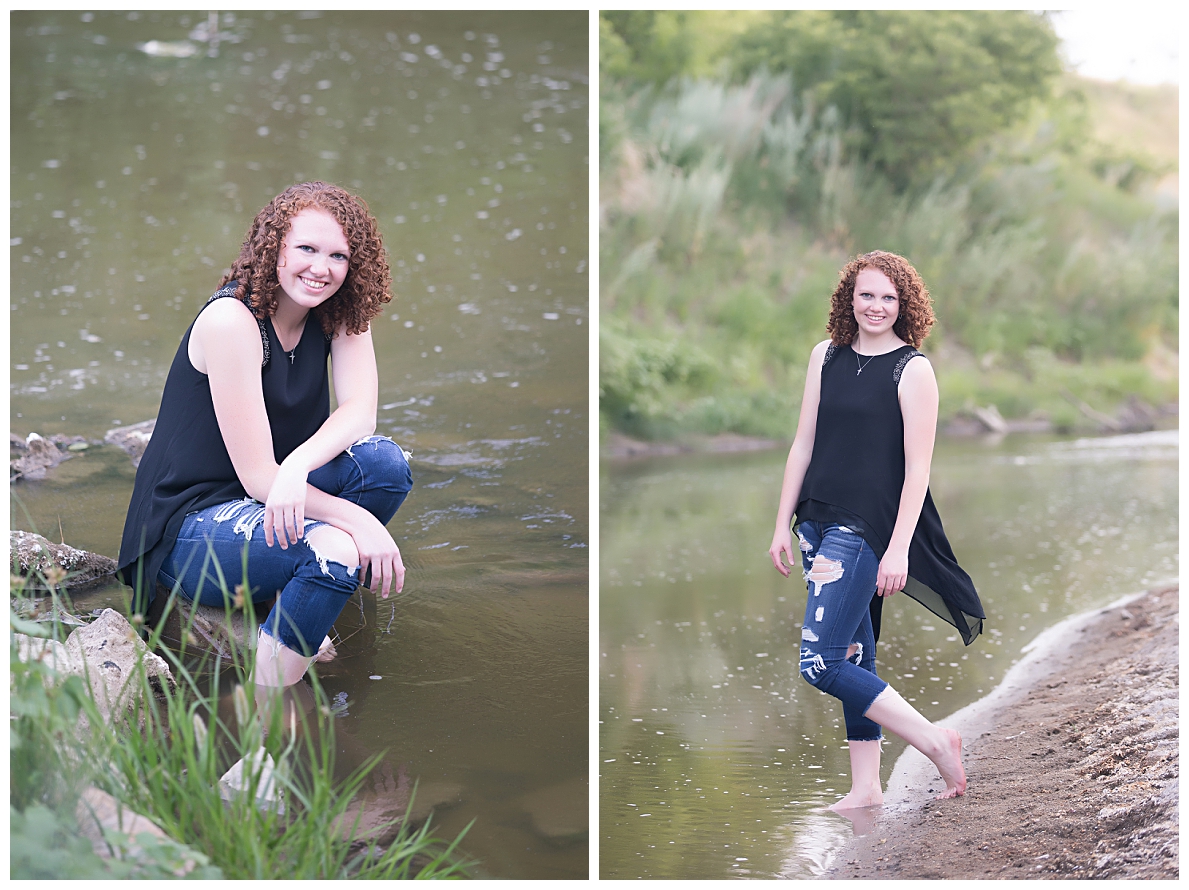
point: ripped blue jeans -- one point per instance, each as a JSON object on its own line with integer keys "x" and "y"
{"x": 840, "y": 572}
{"x": 310, "y": 591}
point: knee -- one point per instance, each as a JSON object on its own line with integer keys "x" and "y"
{"x": 333, "y": 544}
{"x": 813, "y": 667}
{"x": 379, "y": 457}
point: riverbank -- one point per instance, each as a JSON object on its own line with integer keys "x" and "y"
{"x": 984, "y": 422}
{"x": 1071, "y": 760}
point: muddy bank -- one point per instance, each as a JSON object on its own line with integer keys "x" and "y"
{"x": 1134, "y": 416}
{"x": 617, "y": 446}
{"x": 1072, "y": 765}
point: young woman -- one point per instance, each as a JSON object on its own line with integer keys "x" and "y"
{"x": 247, "y": 466}
{"x": 858, "y": 478}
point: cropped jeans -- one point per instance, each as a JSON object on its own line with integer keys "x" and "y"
{"x": 840, "y": 572}
{"x": 209, "y": 556}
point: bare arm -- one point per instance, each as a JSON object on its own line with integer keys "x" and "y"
{"x": 797, "y": 463}
{"x": 918, "y": 406}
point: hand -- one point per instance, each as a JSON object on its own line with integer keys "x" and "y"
{"x": 893, "y": 573}
{"x": 378, "y": 551}
{"x": 284, "y": 511}
{"x": 782, "y": 543}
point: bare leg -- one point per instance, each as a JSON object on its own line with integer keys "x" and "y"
{"x": 276, "y": 664}
{"x": 865, "y": 788}
{"x": 942, "y": 746}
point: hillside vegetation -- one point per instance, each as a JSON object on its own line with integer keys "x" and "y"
{"x": 745, "y": 157}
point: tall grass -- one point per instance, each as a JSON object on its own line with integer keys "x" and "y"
{"x": 292, "y": 819}
{"x": 726, "y": 215}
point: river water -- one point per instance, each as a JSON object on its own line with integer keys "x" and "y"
{"x": 139, "y": 155}
{"x": 716, "y": 759}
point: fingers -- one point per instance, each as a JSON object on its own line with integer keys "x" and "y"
{"x": 887, "y": 585}
{"x": 775, "y": 554}
{"x": 284, "y": 526}
{"x": 388, "y": 575}
{"x": 385, "y": 581}
{"x": 394, "y": 577}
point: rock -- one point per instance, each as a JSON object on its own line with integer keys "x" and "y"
{"x": 133, "y": 439}
{"x": 41, "y": 560}
{"x": 991, "y": 419}
{"x": 1136, "y": 416}
{"x": 964, "y": 425}
{"x": 559, "y": 811}
{"x": 233, "y": 784}
{"x": 200, "y": 628}
{"x": 107, "y": 654}
{"x": 51, "y": 653}
{"x": 375, "y": 814}
{"x": 98, "y": 812}
{"x": 40, "y": 455}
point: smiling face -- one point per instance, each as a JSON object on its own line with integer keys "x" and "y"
{"x": 876, "y": 303}
{"x": 314, "y": 258}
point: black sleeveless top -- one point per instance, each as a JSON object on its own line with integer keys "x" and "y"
{"x": 856, "y": 476}
{"x": 186, "y": 468}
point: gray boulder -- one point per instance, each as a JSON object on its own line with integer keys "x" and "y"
{"x": 40, "y": 454}
{"x": 107, "y": 654}
{"x": 35, "y": 557}
{"x": 133, "y": 439}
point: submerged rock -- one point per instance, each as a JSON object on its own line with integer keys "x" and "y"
{"x": 41, "y": 560}
{"x": 559, "y": 811}
{"x": 40, "y": 454}
{"x": 375, "y": 815}
{"x": 133, "y": 439}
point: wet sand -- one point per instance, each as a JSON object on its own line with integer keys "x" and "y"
{"x": 1071, "y": 763}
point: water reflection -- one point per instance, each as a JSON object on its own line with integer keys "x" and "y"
{"x": 141, "y": 148}
{"x": 716, "y": 758}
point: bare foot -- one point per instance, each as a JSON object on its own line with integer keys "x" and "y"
{"x": 856, "y": 799}
{"x": 863, "y": 820}
{"x": 949, "y": 764}
{"x": 326, "y": 652}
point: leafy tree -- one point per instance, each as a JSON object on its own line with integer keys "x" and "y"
{"x": 919, "y": 89}
{"x": 660, "y": 45}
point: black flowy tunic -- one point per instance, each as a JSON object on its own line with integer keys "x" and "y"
{"x": 856, "y": 476}
{"x": 186, "y": 468}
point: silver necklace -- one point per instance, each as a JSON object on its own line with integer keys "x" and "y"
{"x": 862, "y": 365}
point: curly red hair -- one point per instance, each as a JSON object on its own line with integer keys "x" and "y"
{"x": 916, "y": 306}
{"x": 366, "y": 287}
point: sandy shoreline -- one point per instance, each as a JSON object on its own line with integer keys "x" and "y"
{"x": 1072, "y": 764}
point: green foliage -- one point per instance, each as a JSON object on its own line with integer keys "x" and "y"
{"x": 165, "y": 762}
{"x": 43, "y": 715}
{"x": 45, "y": 846}
{"x": 641, "y": 380}
{"x": 919, "y": 88}
{"x": 728, "y": 213}
{"x": 656, "y": 46}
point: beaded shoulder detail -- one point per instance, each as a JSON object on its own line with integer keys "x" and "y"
{"x": 904, "y": 360}
{"x": 228, "y": 290}
{"x": 830, "y": 350}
